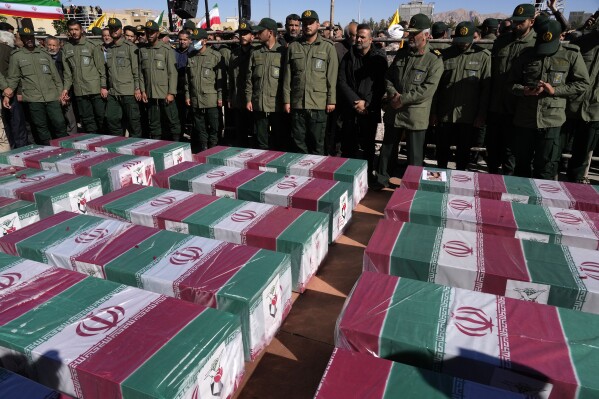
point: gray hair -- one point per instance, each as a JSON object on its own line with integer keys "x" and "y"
{"x": 7, "y": 38}
{"x": 346, "y": 30}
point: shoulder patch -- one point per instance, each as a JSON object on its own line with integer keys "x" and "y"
{"x": 436, "y": 52}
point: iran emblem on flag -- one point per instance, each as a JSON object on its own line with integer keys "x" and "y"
{"x": 214, "y": 18}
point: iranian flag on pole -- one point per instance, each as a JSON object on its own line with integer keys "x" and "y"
{"x": 214, "y": 18}
{"x": 543, "y": 273}
{"x": 301, "y": 234}
{"x": 15, "y": 214}
{"x": 252, "y": 283}
{"x": 32, "y": 156}
{"x": 353, "y": 171}
{"x": 13, "y": 385}
{"x": 540, "y": 350}
{"x": 52, "y": 192}
{"x": 330, "y": 197}
{"x": 41, "y": 9}
{"x": 71, "y": 327}
{"x": 550, "y": 193}
{"x": 356, "y": 375}
{"x": 511, "y": 219}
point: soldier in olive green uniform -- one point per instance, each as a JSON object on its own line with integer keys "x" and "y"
{"x": 158, "y": 83}
{"x": 310, "y": 86}
{"x": 34, "y": 70}
{"x": 238, "y": 66}
{"x": 96, "y": 32}
{"x": 583, "y": 113}
{"x": 203, "y": 91}
{"x": 488, "y": 32}
{"x": 263, "y": 92}
{"x": 412, "y": 80}
{"x": 223, "y": 114}
{"x": 506, "y": 48}
{"x": 123, "y": 82}
{"x": 85, "y": 71}
{"x": 439, "y": 31}
{"x": 460, "y": 104}
{"x": 544, "y": 78}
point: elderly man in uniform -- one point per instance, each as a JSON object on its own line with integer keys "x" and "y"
{"x": 123, "y": 83}
{"x": 238, "y": 66}
{"x": 543, "y": 79}
{"x": 309, "y": 91}
{"x": 460, "y": 104}
{"x": 33, "y": 69}
{"x": 158, "y": 84}
{"x": 412, "y": 80}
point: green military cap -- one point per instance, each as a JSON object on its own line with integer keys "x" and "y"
{"x": 438, "y": 28}
{"x": 115, "y": 23}
{"x": 464, "y": 32}
{"x": 523, "y": 12}
{"x": 96, "y": 31}
{"x": 490, "y": 23}
{"x": 152, "y": 25}
{"x": 129, "y": 27}
{"x": 199, "y": 34}
{"x": 26, "y": 31}
{"x": 310, "y": 15}
{"x": 266, "y": 24}
{"x": 244, "y": 27}
{"x": 418, "y": 23}
{"x": 540, "y": 20}
{"x": 548, "y": 37}
{"x": 139, "y": 29}
{"x": 189, "y": 24}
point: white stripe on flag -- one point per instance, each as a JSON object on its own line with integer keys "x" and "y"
{"x": 304, "y": 165}
{"x": 282, "y": 190}
{"x": 585, "y": 265}
{"x": 9, "y": 188}
{"x": 21, "y": 273}
{"x": 552, "y": 193}
{"x": 462, "y": 182}
{"x": 204, "y": 183}
{"x": 457, "y": 262}
{"x": 461, "y": 212}
{"x": 84, "y": 144}
{"x": 130, "y": 148}
{"x": 19, "y": 158}
{"x": 574, "y": 227}
{"x": 144, "y": 213}
{"x": 233, "y": 227}
{"x": 241, "y": 159}
{"x": 135, "y": 171}
{"x": 68, "y": 165}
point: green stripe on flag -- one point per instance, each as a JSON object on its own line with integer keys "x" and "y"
{"x": 114, "y": 147}
{"x": 533, "y": 219}
{"x": 159, "y": 154}
{"x": 428, "y": 209}
{"x": 101, "y": 171}
{"x": 283, "y": 162}
{"x": 252, "y": 190}
{"x": 418, "y": 383}
{"x": 288, "y": 240}
{"x": 33, "y": 328}
{"x": 121, "y": 207}
{"x": 220, "y": 157}
{"x": 349, "y": 170}
{"x": 415, "y": 304}
{"x": 199, "y": 222}
{"x": 182, "y": 180}
{"x": 520, "y": 186}
{"x": 422, "y": 245}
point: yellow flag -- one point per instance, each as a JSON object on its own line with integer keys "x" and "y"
{"x": 396, "y": 19}
{"x": 97, "y": 23}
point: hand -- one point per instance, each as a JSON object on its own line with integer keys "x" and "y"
{"x": 249, "y": 106}
{"x": 287, "y": 108}
{"x": 64, "y": 96}
{"x": 137, "y": 94}
{"x": 229, "y": 104}
{"x": 6, "y": 102}
{"x": 20, "y": 98}
{"x": 360, "y": 106}
{"x": 219, "y": 103}
{"x": 547, "y": 87}
{"x": 169, "y": 98}
{"x": 551, "y": 5}
{"x": 8, "y": 92}
{"x": 396, "y": 101}
{"x": 532, "y": 91}
{"x": 104, "y": 93}
{"x": 479, "y": 121}
{"x": 433, "y": 120}
{"x": 330, "y": 108}
{"x": 188, "y": 102}
{"x": 144, "y": 97}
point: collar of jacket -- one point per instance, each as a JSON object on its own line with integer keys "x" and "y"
{"x": 318, "y": 40}
{"x": 274, "y": 48}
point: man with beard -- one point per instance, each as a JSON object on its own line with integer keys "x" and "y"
{"x": 293, "y": 30}
{"x": 53, "y": 48}
{"x": 361, "y": 87}
{"x": 460, "y": 103}
{"x": 158, "y": 84}
{"x": 309, "y": 91}
{"x": 412, "y": 80}
{"x": 129, "y": 33}
{"x": 124, "y": 88}
{"x": 85, "y": 72}
{"x": 181, "y": 55}
{"x": 33, "y": 69}
{"x": 506, "y": 49}
{"x": 238, "y": 67}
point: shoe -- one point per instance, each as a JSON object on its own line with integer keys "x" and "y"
{"x": 583, "y": 180}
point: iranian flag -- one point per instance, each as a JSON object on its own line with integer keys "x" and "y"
{"x": 214, "y": 18}
{"x": 51, "y": 191}
{"x": 537, "y": 272}
{"x": 511, "y": 219}
{"x": 114, "y": 170}
{"x": 551, "y": 193}
{"x": 93, "y": 338}
{"x": 538, "y": 350}
{"x": 252, "y": 283}
{"x": 13, "y": 385}
{"x": 356, "y": 375}
{"x": 301, "y": 234}
{"x": 8, "y": 170}
{"x": 32, "y": 156}
{"x": 330, "y": 197}
{"x": 41, "y": 9}
{"x": 353, "y": 171}
{"x": 15, "y": 214}
{"x": 165, "y": 153}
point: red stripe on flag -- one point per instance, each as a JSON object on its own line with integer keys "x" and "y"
{"x": 100, "y": 144}
{"x": 8, "y": 243}
{"x": 326, "y": 170}
{"x": 503, "y": 259}
{"x": 33, "y": 14}
{"x": 237, "y": 179}
{"x": 28, "y": 193}
{"x": 264, "y": 159}
{"x": 265, "y": 232}
{"x": 144, "y": 151}
{"x": 490, "y": 186}
{"x": 4, "y": 201}
{"x": 56, "y": 142}
{"x": 10, "y": 170}
{"x": 497, "y": 217}
{"x": 99, "y": 203}
{"x": 100, "y": 373}
{"x": 398, "y": 207}
{"x": 162, "y": 179}
{"x": 33, "y": 161}
{"x": 587, "y": 199}
{"x": 201, "y": 156}
{"x": 308, "y": 196}
{"x": 184, "y": 209}
{"x": 83, "y": 168}
{"x": 411, "y": 178}
{"x": 377, "y": 256}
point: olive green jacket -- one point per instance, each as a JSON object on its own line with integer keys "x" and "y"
{"x": 439, "y": 46}
{"x": 238, "y": 66}
{"x": 225, "y": 51}
{"x": 488, "y": 46}
{"x": 122, "y": 67}
{"x": 264, "y": 86}
{"x": 158, "y": 70}
{"x": 586, "y": 106}
{"x": 84, "y": 67}
{"x": 564, "y": 70}
{"x": 3, "y": 82}
{"x": 416, "y": 77}
{"x": 203, "y": 83}
{"x": 36, "y": 72}
{"x": 463, "y": 92}
{"x": 505, "y": 50}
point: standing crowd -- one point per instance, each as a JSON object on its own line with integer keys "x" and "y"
{"x": 526, "y": 95}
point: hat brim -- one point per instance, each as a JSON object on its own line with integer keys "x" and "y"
{"x": 463, "y": 39}
{"x": 114, "y": 27}
{"x": 546, "y": 48}
{"x": 311, "y": 19}
{"x": 151, "y": 29}
{"x": 244, "y": 31}
{"x": 413, "y": 30}
{"x": 259, "y": 28}
{"x": 520, "y": 19}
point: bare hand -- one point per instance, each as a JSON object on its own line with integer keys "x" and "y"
{"x": 64, "y": 96}
{"x": 360, "y": 106}
{"x": 532, "y": 91}
{"x": 144, "y": 97}
{"x": 169, "y": 98}
{"x": 219, "y": 103}
{"x": 547, "y": 87}
{"x": 188, "y": 102}
{"x": 330, "y": 108}
{"x": 137, "y": 94}
{"x": 551, "y": 4}
{"x": 287, "y": 108}
{"x": 6, "y": 102}
{"x": 8, "y": 92}
{"x": 104, "y": 93}
{"x": 396, "y": 101}
{"x": 249, "y": 106}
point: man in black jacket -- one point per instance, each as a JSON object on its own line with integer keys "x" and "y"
{"x": 361, "y": 86}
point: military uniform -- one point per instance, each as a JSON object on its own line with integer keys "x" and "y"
{"x": 583, "y": 112}
{"x": 157, "y": 79}
{"x": 415, "y": 76}
{"x": 85, "y": 71}
{"x": 462, "y": 96}
{"x": 203, "y": 88}
{"x": 41, "y": 86}
{"x": 238, "y": 66}
{"x": 310, "y": 84}
{"x": 223, "y": 113}
{"x": 538, "y": 118}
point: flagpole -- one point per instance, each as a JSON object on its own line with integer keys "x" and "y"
{"x": 171, "y": 27}
{"x": 207, "y": 15}
{"x": 332, "y": 11}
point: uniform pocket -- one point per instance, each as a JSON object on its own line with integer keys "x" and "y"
{"x": 419, "y": 74}
{"x": 26, "y": 67}
{"x": 319, "y": 64}
{"x": 45, "y": 66}
{"x": 159, "y": 61}
{"x": 472, "y": 71}
{"x": 275, "y": 71}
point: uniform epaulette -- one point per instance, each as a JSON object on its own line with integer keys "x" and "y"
{"x": 14, "y": 51}
{"x": 436, "y": 52}
{"x": 571, "y": 47}
{"x": 324, "y": 39}
{"x": 481, "y": 49}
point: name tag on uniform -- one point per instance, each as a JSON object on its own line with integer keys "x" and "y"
{"x": 470, "y": 73}
{"x": 45, "y": 68}
{"x": 472, "y": 62}
{"x": 159, "y": 64}
{"x": 319, "y": 64}
{"x": 70, "y": 52}
{"x": 86, "y": 61}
